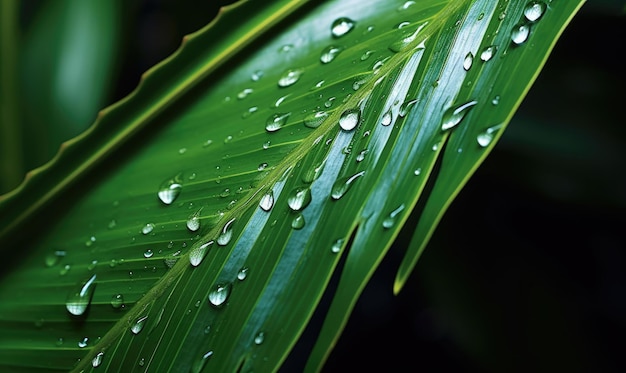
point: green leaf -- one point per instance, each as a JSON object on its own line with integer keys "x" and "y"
{"x": 199, "y": 221}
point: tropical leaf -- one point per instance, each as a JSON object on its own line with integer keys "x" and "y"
{"x": 199, "y": 221}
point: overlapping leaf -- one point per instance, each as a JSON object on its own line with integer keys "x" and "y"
{"x": 207, "y": 236}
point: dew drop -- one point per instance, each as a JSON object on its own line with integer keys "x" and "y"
{"x": 488, "y": 53}
{"x": 486, "y": 137}
{"x": 54, "y": 257}
{"x": 193, "y": 221}
{"x": 83, "y": 342}
{"x": 199, "y": 364}
{"x": 147, "y": 229}
{"x": 227, "y": 233}
{"x": 417, "y": 171}
{"x": 534, "y": 10}
{"x": 314, "y": 120}
{"x": 170, "y": 189}
{"x": 313, "y": 173}
{"x": 299, "y": 198}
{"x": 361, "y": 156}
{"x": 78, "y": 301}
{"x": 142, "y": 362}
{"x": 243, "y": 273}
{"x": 390, "y": 220}
{"x": 290, "y": 77}
{"x": 298, "y": 221}
{"x": 244, "y": 93}
{"x": 495, "y": 100}
{"x": 387, "y": 118}
{"x": 259, "y": 338}
{"x": 341, "y": 26}
{"x": 97, "y": 360}
{"x": 330, "y": 53}
{"x": 406, "y": 5}
{"x": 467, "y": 62}
{"x": 219, "y": 294}
{"x": 138, "y": 324}
{"x": 276, "y": 121}
{"x": 256, "y": 76}
{"x": 342, "y": 185}
{"x": 63, "y": 271}
{"x": 148, "y": 253}
{"x": 367, "y": 54}
{"x": 117, "y": 301}
{"x": 406, "y": 40}
{"x": 350, "y": 119}
{"x": 266, "y": 144}
{"x": 197, "y": 254}
{"x": 336, "y": 246}
{"x": 520, "y": 33}
{"x": 453, "y": 116}
{"x": 261, "y": 166}
{"x": 406, "y": 107}
{"x": 92, "y": 265}
{"x": 267, "y": 201}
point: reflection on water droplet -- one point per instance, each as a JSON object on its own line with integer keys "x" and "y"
{"x": 170, "y": 189}
{"x": 117, "y": 301}
{"x": 350, "y": 119}
{"x": 259, "y": 338}
{"x": 138, "y": 324}
{"x": 406, "y": 107}
{"x": 454, "y": 116}
{"x": 290, "y": 77}
{"x": 341, "y": 26}
{"x": 336, "y": 246}
{"x": 315, "y": 119}
{"x": 54, "y": 257}
{"x": 342, "y": 185}
{"x": 330, "y": 53}
{"x": 390, "y": 220}
{"x": 267, "y": 201}
{"x": 486, "y": 137}
{"x": 193, "y": 221}
{"x": 299, "y": 198}
{"x": 387, "y": 118}
{"x": 78, "y": 300}
{"x": 148, "y": 253}
{"x": 276, "y": 121}
{"x": 219, "y": 294}
{"x": 83, "y": 342}
{"x": 467, "y": 62}
{"x": 97, "y": 360}
{"x": 242, "y": 274}
{"x": 198, "y": 253}
{"x": 298, "y": 221}
{"x": 520, "y": 33}
{"x": 227, "y": 233}
{"x": 417, "y": 171}
{"x": 488, "y": 53}
{"x": 534, "y": 10}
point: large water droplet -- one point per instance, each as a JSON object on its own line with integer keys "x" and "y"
{"x": 342, "y": 185}
{"x": 341, "y": 26}
{"x": 193, "y": 221}
{"x": 138, "y": 324}
{"x": 198, "y": 253}
{"x": 520, "y": 33}
{"x": 97, "y": 360}
{"x": 488, "y": 53}
{"x": 390, "y": 220}
{"x": 117, "y": 301}
{"x": 336, "y": 246}
{"x": 314, "y": 120}
{"x": 467, "y": 62}
{"x": 534, "y": 10}
{"x": 259, "y": 338}
{"x": 219, "y": 294}
{"x": 299, "y": 198}
{"x": 227, "y": 233}
{"x": 454, "y": 116}
{"x": 298, "y": 221}
{"x": 267, "y": 201}
{"x": 350, "y": 119}
{"x": 78, "y": 301}
{"x": 290, "y": 77}
{"x": 276, "y": 121}
{"x": 330, "y": 53}
{"x": 170, "y": 189}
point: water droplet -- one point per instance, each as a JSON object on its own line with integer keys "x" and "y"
{"x": 219, "y": 294}
{"x": 259, "y": 338}
{"x": 387, "y": 118}
{"x": 290, "y": 77}
{"x": 225, "y": 193}
{"x": 367, "y": 54}
{"x": 481, "y": 16}
{"x": 435, "y": 146}
{"x": 244, "y": 93}
{"x": 406, "y": 40}
{"x": 534, "y": 10}
{"x": 170, "y": 189}
{"x": 390, "y": 220}
{"x": 54, "y": 257}
{"x": 112, "y": 224}
{"x": 350, "y": 119}
{"x": 198, "y": 253}
{"x": 496, "y": 100}
{"x": 330, "y": 53}
{"x": 406, "y": 107}
{"x": 342, "y": 185}
{"x": 261, "y": 166}
{"x": 313, "y": 173}
{"x": 83, "y": 342}
{"x": 267, "y": 201}
{"x": 486, "y": 137}
{"x": 138, "y": 324}
{"x": 467, "y": 62}
{"x": 256, "y": 76}
{"x": 502, "y": 15}
{"x": 78, "y": 301}
{"x": 361, "y": 156}
{"x": 454, "y": 116}
{"x": 276, "y": 121}
{"x": 341, "y": 26}
{"x": 251, "y": 110}
{"x": 520, "y": 33}
{"x": 142, "y": 362}
{"x": 406, "y": 5}
{"x": 148, "y": 253}
{"x": 227, "y": 233}
{"x": 60, "y": 342}
{"x": 148, "y": 228}
{"x": 97, "y": 360}
{"x": 63, "y": 271}
{"x": 199, "y": 364}
{"x": 193, "y": 221}
{"x": 299, "y": 198}
{"x": 315, "y": 119}
{"x": 298, "y": 221}
{"x": 336, "y": 246}
{"x": 117, "y": 301}
{"x": 488, "y": 53}
{"x": 92, "y": 265}
{"x": 266, "y": 144}
{"x": 417, "y": 171}
{"x": 242, "y": 274}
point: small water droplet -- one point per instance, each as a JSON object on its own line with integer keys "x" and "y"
{"x": 83, "y": 342}
{"x": 197, "y": 254}
{"x": 496, "y": 100}
{"x": 199, "y": 364}
{"x": 467, "y": 62}
{"x": 63, "y": 271}
{"x": 261, "y": 166}
{"x": 435, "y": 146}
{"x": 142, "y": 362}
{"x": 97, "y": 360}
{"x": 257, "y": 75}
{"x": 290, "y": 77}
{"x": 417, "y": 171}
{"x": 244, "y": 93}
{"x": 243, "y": 273}
{"x": 117, "y": 301}
{"x": 314, "y": 120}
{"x": 342, "y": 185}
{"x": 219, "y": 294}
{"x": 266, "y": 144}
{"x": 207, "y": 143}
{"x": 481, "y": 16}
{"x": 227, "y": 233}
{"x": 148, "y": 253}
{"x": 488, "y": 53}
{"x": 406, "y": 5}
{"x": 78, "y": 300}
{"x": 60, "y": 342}
{"x": 54, "y": 257}
{"x": 147, "y": 229}
{"x": 112, "y": 224}
{"x": 193, "y": 221}
{"x": 390, "y": 220}
{"x": 406, "y": 40}
{"x": 313, "y": 173}
{"x": 534, "y": 10}
{"x": 330, "y": 53}
{"x": 367, "y": 54}
{"x": 276, "y": 121}
{"x": 520, "y": 33}
{"x": 486, "y": 137}
{"x": 251, "y": 110}
{"x": 361, "y": 156}
{"x": 267, "y": 201}
{"x": 225, "y": 193}
{"x": 387, "y": 118}
{"x": 453, "y": 116}
{"x": 298, "y": 221}
{"x": 138, "y": 324}
{"x": 182, "y": 150}
{"x": 350, "y": 119}
{"x": 336, "y": 246}
{"x": 259, "y": 338}
{"x": 341, "y": 26}
{"x": 92, "y": 265}
{"x": 406, "y": 107}
{"x": 299, "y": 198}
{"x": 170, "y": 189}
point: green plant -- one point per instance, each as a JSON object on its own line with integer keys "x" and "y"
{"x": 211, "y": 123}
